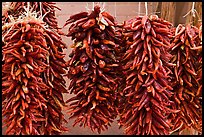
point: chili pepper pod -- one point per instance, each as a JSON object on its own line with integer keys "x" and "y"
{"x": 92, "y": 69}
{"x": 31, "y": 84}
{"x": 186, "y": 53}
{"x": 145, "y": 100}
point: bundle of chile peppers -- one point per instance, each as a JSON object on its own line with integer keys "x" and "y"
{"x": 186, "y": 51}
{"x": 32, "y": 81}
{"x": 159, "y": 89}
{"x": 92, "y": 69}
{"x": 144, "y": 105}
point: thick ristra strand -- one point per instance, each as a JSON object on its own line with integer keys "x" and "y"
{"x": 32, "y": 101}
{"x": 92, "y": 69}
{"x": 146, "y": 103}
{"x": 186, "y": 51}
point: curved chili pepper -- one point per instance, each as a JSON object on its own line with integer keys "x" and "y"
{"x": 107, "y": 15}
{"x": 89, "y": 23}
{"x": 76, "y": 17}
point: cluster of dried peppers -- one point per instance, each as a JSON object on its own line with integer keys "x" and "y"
{"x": 32, "y": 82}
{"x": 144, "y": 105}
{"x": 46, "y": 9}
{"x": 186, "y": 51}
{"x": 92, "y": 69}
{"x": 33, "y": 64}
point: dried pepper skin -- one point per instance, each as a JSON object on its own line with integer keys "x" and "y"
{"x": 92, "y": 70}
{"x": 32, "y": 85}
{"x": 144, "y": 101}
{"x": 186, "y": 53}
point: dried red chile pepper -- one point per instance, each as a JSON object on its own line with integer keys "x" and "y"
{"x": 32, "y": 82}
{"x": 145, "y": 101}
{"x": 92, "y": 69}
{"x": 186, "y": 51}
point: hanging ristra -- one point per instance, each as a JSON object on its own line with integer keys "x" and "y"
{"x": 146, "y": 104}
{"x": 186, "y": 51}
{"x": 32, "y": 82}
{"x": 92, "y": 69}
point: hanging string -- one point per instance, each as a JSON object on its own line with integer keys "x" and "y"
{"x": 93, "y": 4}
{"x": 139, "y": 9}
{"x": 87, "y": 6}
{"x": 154, "y": 12}
{"x": 193, "y": 12}
{"x": 146, "y": 11}
{"x": 41, "y": 9}
{"x": 28, "y": 5}
{"x": 27, "y": 9}
{"x": 103, "y": 6}
{"x": 115, "y": 9}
